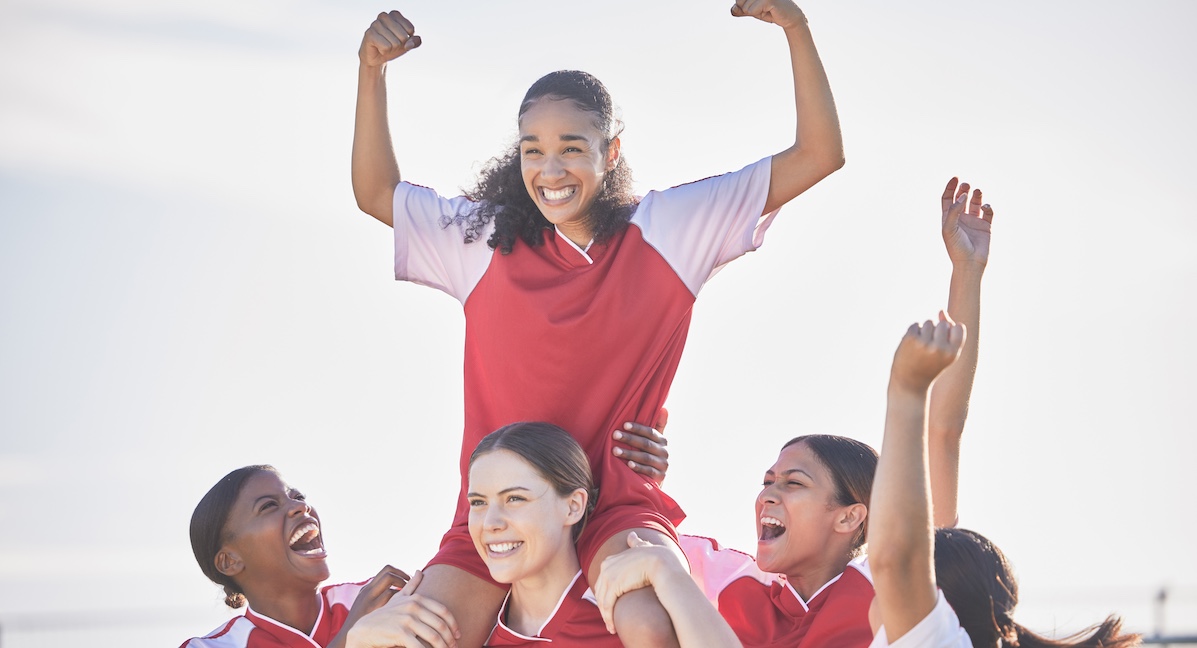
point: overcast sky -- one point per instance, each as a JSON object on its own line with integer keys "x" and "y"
{"x": 186, "y": 284}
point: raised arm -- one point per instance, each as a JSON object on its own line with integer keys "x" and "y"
{"x": 966, "y": 227}
{"x": 818, "y": 148}
{"x": 900, "y": 533}
{"x": 375, "y": 170}
{"x": 697, "y": 622}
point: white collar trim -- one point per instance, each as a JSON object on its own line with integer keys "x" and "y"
{"x": 581, "y": 250}
{"x": 556, "y": 608}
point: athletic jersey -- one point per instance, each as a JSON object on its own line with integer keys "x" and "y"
{"x": 765, "y": 611}
{"x": 575, "y": 622}
{"x": 586, "y": 339}
{"x": 253, "y": 630}
{"x": 939, "y": 629}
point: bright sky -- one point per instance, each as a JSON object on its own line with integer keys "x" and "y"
{"x": 186, "y": 284}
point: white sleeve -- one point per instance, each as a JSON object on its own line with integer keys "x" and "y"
{"x": 701, "y": 226}
{"x": 714, "y": 567}
{"x": 429, "y": 253}
{"x": 939, "y": 629}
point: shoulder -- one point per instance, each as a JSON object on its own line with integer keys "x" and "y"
{"x": 342, "y": 593}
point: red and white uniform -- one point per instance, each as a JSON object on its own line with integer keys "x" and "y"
{"x": 766, "y": 612}
{"x": 586, "y": 339}
{"x": 253, "y": 630}
{"x": 575, "y": 622}
{"x": 939, "y": 629}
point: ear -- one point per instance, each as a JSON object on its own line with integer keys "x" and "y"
{"x": 851, "y": 518}
{"x": 229, "y": 563}
{"x": 576, "y": 503}
{"x": 613, "y": 154}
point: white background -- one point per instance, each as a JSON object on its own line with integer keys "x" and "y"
{"x": 186, "y": 284}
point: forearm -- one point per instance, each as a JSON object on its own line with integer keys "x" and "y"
{"x": 951, "y": 392}
{"x": 697, "y": 623}
{"x": 818, "y": 147}
{"x": 375, "y": 170}
{"x": 900, "y": 532}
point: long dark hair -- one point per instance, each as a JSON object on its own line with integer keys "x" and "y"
{"x": 553, "y": 453}
{"x": 500, "y": 193}
{"x": 207, "y": 528}
{"x": 852, "y": 465}
{"x": 979, "y": 584}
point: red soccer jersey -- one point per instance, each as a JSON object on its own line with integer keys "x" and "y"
{"x": 575, "y": 622}
{"x": 766, "y": 612}
{"x": 586, "y": 339}
{"x": 253, "y": 630}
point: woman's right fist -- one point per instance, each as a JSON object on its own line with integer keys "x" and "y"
{"x": 388, "y": 38}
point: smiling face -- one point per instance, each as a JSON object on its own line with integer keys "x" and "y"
{"x": 519, "y": 523}
{"x": 799, "y": 523}
{"x": 564, "y": 158}
{"x": 272, "y": 538}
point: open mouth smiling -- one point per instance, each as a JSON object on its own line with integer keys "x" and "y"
{"x": 502, "y": 548}
{"x": 771, "y": 528}
{"x": 557, "y": 194}
{"x": 306, "y": 540}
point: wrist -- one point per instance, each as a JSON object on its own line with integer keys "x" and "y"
{"x": 967, "y": 268}
{"x": 908, "y": 388}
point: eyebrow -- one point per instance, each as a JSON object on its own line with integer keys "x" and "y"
{"x": 502, "y": 492}
{"x": 790, "y": 472}
{"x": 564, "y": 138}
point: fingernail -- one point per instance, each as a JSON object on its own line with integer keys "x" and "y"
{"x": 627, "y": 426}
{"x": 618, "y": 435}
{"x": 618, "y": 452}
{"x": 631, "y": 464}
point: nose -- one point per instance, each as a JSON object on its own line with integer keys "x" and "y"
{"x": 494, "y": 518}
{"x": 299, "y": 507}
{"x": 767, "y": 495}
{"x": 552, "y": 167}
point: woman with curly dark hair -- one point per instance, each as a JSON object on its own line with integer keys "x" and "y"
{"x": 559, "y": 267}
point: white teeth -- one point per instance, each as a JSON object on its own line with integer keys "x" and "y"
{"x": 503, "y": 547}
{"x": 558, "y": 194}
{"x": 771, "y": 522}
{"x": 309, "y": 531}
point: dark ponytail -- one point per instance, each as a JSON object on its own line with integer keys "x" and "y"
{"x": 979, "y": 584}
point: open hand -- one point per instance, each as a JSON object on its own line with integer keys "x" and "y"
{"x": 966, "y": 224}
{"x": 925, "y": 351}
{"x": 389, "y": 37}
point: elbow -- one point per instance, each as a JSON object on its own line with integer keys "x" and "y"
{"x": 831, "y": 160}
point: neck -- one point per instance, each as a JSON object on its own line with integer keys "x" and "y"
{"x": 808, "y": 579}
{"x": 534, "y": 599}
{"x": 298, "y": 610}
{"x": 580, "y": 233}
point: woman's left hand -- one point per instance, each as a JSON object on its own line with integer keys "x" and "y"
{"x": 966, "y": 224}
{"x": 783, "y": 13}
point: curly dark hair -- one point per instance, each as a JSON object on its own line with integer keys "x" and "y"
{"x": 500, "y": 194}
